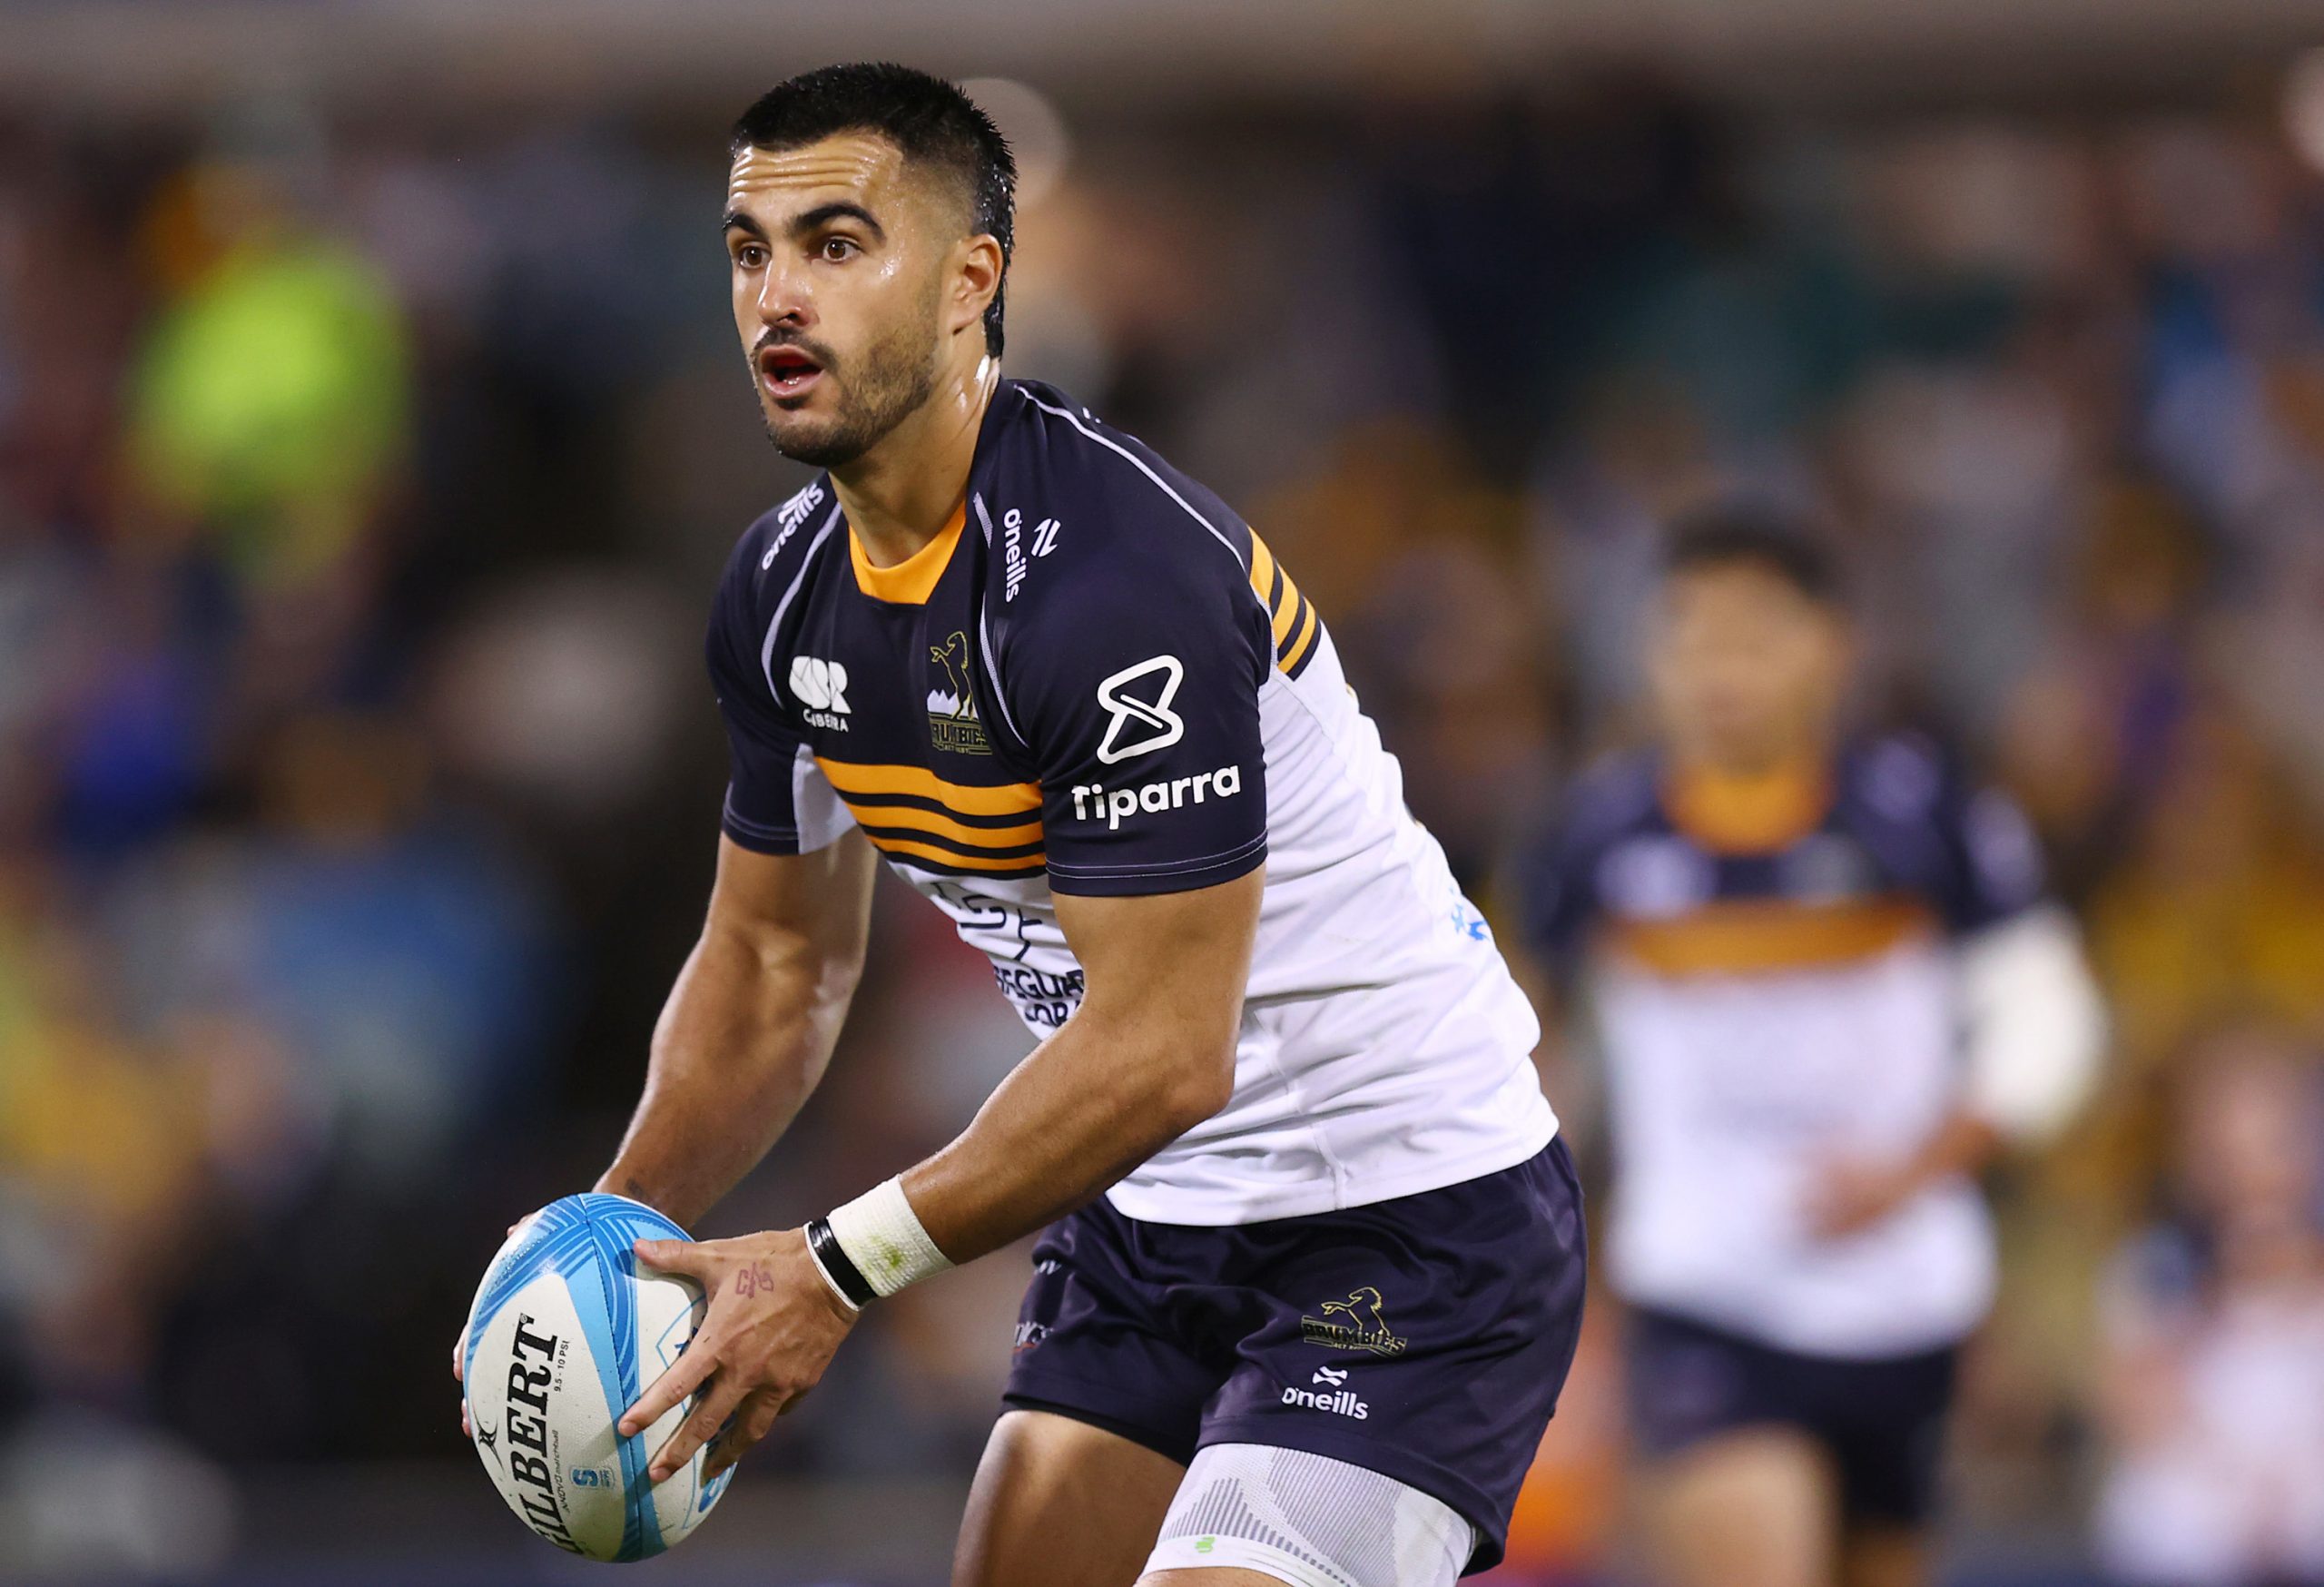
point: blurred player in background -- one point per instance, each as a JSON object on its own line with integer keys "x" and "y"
{"x": 1312, "y": 1276}
{"x": 1827, "y": 988}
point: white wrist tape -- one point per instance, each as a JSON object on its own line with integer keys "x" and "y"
{"x": 882, "y": 1236}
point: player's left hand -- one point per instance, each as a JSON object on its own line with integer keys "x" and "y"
{"x": 1851, "y": 1196}
{"x": 771, "y": 1331}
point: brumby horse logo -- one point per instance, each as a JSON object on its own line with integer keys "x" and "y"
{"x": 1353, "y": 1324}
{"x": 952, "y": 722}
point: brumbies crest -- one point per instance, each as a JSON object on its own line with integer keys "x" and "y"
{"x": 1353, "y": 1324}
{"x": 952, "y": 722}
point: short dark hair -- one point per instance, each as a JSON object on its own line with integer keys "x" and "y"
{"x": 1759, "y": 537}
{"x": 924, "y": 116}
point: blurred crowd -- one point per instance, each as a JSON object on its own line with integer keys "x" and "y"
{"x": 361, "y": 489}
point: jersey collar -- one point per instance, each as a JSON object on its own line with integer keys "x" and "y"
{"x": 911, "y": 581}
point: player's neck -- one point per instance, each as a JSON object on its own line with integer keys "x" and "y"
{"x": 900, "y": 495}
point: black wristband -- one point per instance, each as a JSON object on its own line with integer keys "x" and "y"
{"x": 844, "y": 1272}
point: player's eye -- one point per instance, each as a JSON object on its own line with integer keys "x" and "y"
{"x": 835, "y": 250}
{"x": 750, "y": 255}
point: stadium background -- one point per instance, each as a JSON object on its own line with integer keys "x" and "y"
{"x": 371, "y": 431}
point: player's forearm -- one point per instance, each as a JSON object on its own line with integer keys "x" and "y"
{"x": 744, "y": 1037}
{"x": 1092, "y": 1103}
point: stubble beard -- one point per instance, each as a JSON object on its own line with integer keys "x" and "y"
{"x": 899, "y": 377}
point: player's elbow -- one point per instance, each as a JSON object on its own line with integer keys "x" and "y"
{"x": 1200, "y": 1085}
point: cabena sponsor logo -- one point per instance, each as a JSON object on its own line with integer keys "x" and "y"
{"x": 1095, "y": 802}
{"x": 821, "y": 688}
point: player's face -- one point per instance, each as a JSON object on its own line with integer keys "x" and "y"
{"x": 837, "y": 250}
{"x": 1747, "y": 671}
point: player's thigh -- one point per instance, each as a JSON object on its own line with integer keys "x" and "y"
{"x": 1753, "y": 1507}
{"x": 1058, "y": 1503}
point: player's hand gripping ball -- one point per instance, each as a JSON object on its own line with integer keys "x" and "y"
{"x": 564, "y": 1334}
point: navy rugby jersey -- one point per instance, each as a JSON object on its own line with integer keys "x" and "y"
{"x": 1097, "y": 680}
{"x": 1770, "y": 1002}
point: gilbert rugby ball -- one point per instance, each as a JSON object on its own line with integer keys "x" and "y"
{"x": 563, "y": 1336}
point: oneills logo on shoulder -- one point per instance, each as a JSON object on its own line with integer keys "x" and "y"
{"x": 790, "y": 515}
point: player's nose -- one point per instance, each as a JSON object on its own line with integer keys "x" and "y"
{"x": 784, "y": 299}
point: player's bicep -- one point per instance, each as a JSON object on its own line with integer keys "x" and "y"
{"x": 817, "y": 904}
{"x": 1177, "y": 958}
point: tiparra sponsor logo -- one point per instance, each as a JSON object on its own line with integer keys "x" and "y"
{"x": 1343, "y": 1403}
{"x": 1353, "y": 1324}
{"x": 1153, "y": 724}
{"x": 1095, "y": 802}
{"x": 821, "y": 688}
{"x": 528, "y": 1433}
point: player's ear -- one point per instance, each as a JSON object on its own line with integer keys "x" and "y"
{"x": 977, "y": 265}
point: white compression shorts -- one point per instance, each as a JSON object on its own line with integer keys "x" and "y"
{"x": 1309, "y": 1521}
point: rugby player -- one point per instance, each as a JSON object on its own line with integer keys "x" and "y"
{"x": 1312, "y": 1271}
{"x": 1825, "y": 986}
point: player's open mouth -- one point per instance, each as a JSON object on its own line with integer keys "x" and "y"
{"x": 787, "y": 372}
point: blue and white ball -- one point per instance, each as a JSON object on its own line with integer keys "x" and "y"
{"x": 563, "y": 1336}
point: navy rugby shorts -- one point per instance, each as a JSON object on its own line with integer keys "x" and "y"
{"x": 1882, "y": 1420}
{"x": 1425, "y": 1338}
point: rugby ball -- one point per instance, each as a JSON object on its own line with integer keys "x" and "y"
{"x": 564, "y": 1335}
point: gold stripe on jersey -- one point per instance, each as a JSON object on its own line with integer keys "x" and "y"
{"x": 1012, "y": 864}
{"x": 1770, "y": 936}
{"x": 1291, "y": 615}
{"x": 1309, "y": 626}
{"x": 854, "y": 781}
{"x": 869, "y": 812}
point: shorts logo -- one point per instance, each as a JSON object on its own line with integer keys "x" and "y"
{"x": 952, "y": 722}
{"x": 820, "y": 686}
{"x": 1164, "y": 725}
{"x": 1353, "y": 1324}
{"x": 1345, "y": 1402}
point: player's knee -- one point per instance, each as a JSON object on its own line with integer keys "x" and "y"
{"x": 1250, "y": 1515}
